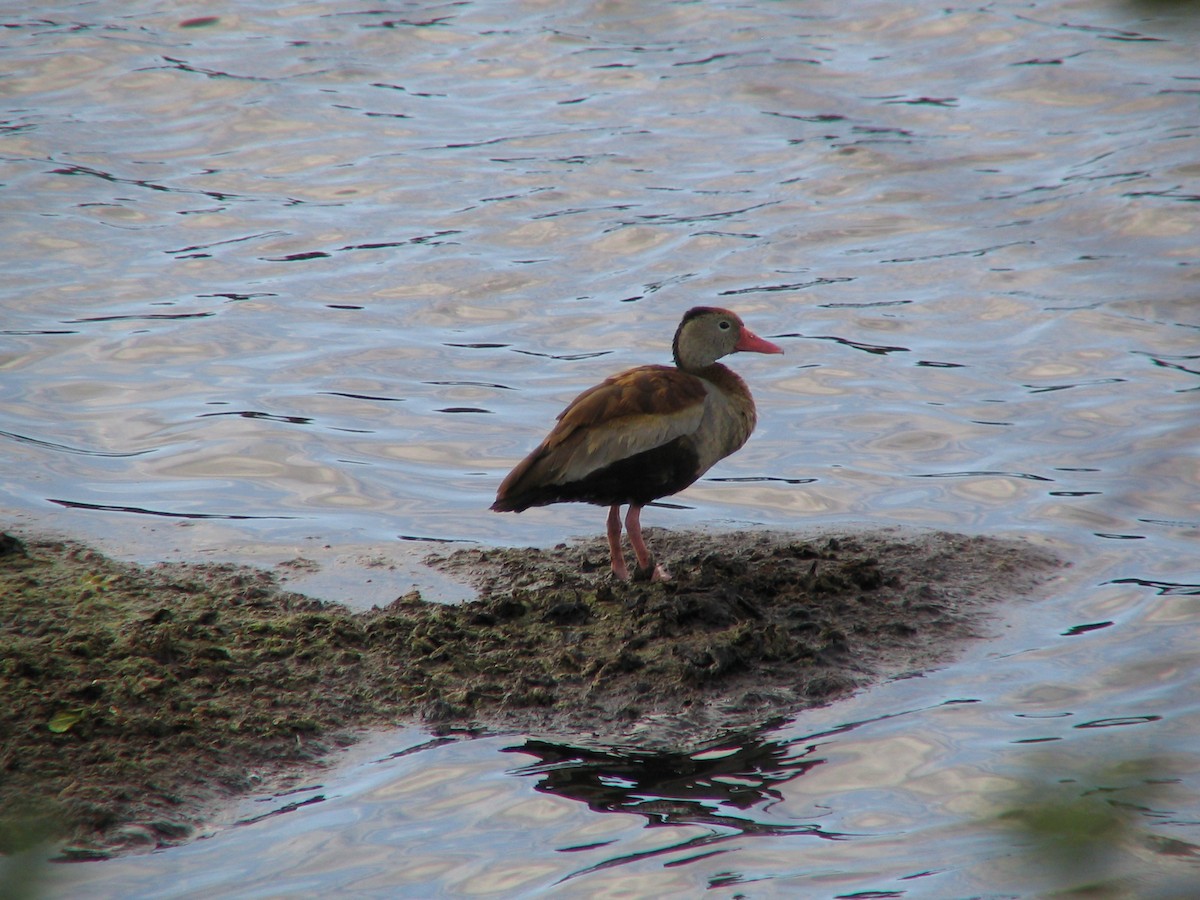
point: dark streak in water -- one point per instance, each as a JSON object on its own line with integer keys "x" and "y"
{"x": 594, "y": 845}
{"x": 435, "y": 540}
{"x": 350, "y": 396}
{"x": 239, "y": 297}
{"x": 253, "y": 414}
{"x": 1164, "y": 588}
{"x": 1162, "y": 362}
{"x": 419, "y": 239}
{"x": 565, "y": 356}
{"x": 469, "y": 144}
{"x": 139, "y": 182}
{"x": 794, "y": 286}
{"x": 185, "y": 66}
{"x": 1084, "y": 629}
{"x": 663, "y": 219}
{"x": 431, "y": 239}
{"x": 577, "y": 210}
{"x": 1054, "y": 61}
{"x": 869, "y": 304}
{"x": 463, "y": 409}
{"x": 64, "y": 448}
{"x": 286, "y": 808}
{"x": 412, "y": 23}
{"x": 821, "y": 118}
{"x": 104, "y": 507}
{"x": 486, "y": 384}
{"x": 431, "y": 744}
{"x": 296, "y": 257}
{"x": 403, "y": 89}
{"x": 140, "y": 318}
{"x": 875, "y": 131}
{"x": 1130, "y": 36}
{"x": 1034, "y": 389}
{"x": 236, "y": 240}
{"x": 383, "y": 245}
{"x": 984, "y": 473}
{"x": 1171, "y": 523}
{"x": 981, "y": 251}
{"x": 706, "y": 60}
{"x": 749, "y": 478}
{"x": 928, "y": 101}
{"x": 39, "y": 331}
{"x": 1104, "y": 32}
{"x": 1119, "y": 720}
{"x": 877, "y": 349}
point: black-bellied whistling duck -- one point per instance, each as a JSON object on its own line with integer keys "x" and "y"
{"x": 644, "y": 433}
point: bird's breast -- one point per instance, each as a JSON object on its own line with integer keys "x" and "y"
{"x": 729, "y": 416}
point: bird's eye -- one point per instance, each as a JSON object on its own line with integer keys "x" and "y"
{"x": 724, "y": 325}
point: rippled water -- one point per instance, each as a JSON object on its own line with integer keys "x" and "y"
{"x": 308, "y": 280}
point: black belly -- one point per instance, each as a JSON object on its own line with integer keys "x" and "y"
{"x": 639, "y": 479}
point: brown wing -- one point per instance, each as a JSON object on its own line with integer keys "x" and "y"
{"x": 627, "y": 414}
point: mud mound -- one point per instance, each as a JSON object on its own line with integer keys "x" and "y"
{"x": 753, "y": 626}
{"x": 135, "y": 700}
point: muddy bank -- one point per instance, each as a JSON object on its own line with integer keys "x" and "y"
{"x": 133, "y": 699}
{"x": 753, "y": 626}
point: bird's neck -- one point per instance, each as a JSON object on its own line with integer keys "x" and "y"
{"x": 734, "y": 390}
{"x": 727, "y": 380}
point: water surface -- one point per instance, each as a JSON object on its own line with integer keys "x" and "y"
{"x": 309, "y": 280}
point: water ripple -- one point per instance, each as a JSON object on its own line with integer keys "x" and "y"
{"x": 141, "y": 510}
{"x": 984, "y": 473}
{"x": 1164, "y": 588}
{"x": 66, "y": 448}
{"x": 434, "y": 221}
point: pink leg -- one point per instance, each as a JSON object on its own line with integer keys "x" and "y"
{"x": 620, "y": 572}
{"x": 645, "y": 560}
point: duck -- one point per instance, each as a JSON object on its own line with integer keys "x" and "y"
{"x": 643, "y": 434}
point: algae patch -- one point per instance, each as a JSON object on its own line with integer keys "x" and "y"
{"x": 134, "y": 700}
